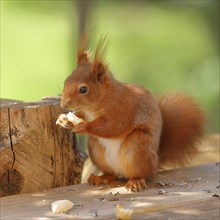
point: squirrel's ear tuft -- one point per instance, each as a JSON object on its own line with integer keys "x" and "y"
{"x": 98, "y": 72}
{"x": 83, "y": 58}
{"x": 99, "y": 67}
{"x": 83, "y": 55}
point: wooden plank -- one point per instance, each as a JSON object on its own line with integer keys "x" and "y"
{"x": 206, "y": 209}
{"x": 178, "y": 194}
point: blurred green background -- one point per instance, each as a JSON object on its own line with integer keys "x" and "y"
{"x": 163, "y": 45}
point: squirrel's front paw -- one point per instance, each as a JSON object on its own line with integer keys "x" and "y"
{"x": 64, "y": 122}
{"x": 81, "y": 127}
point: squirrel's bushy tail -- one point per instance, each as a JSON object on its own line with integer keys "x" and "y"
{"x": 183, "y": 124}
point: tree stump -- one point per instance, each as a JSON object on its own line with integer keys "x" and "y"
{"x": 35, "y": 154}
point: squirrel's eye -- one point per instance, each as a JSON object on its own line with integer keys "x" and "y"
{"x": 83, "y": 89}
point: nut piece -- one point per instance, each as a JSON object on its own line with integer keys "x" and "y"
{"x": 73, "y": 118}
{"x": 68, "y": 121}
{"x": 61, "y": 206}
{"x": 123, "y": 213}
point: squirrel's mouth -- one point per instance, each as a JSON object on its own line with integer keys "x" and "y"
{"x": 75, "y": 110}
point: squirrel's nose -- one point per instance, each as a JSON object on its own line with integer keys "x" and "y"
{"x": 64, "y": 103}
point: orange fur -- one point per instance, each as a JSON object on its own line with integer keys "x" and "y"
{"x": 130, "y": 132}
{"x": 97, "y": 155}
{"x": 83, "y": 55}
{"x": 183, "y": 122}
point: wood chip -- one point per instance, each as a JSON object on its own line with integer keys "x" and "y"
{"x": 79, "y": 205}
{"x": 215, "y": 195}
{"x": 195, "y": 180}
{"x": 69, "y": 190}
{"x": 102, "y": 199}
{"x": 182, "y": 183}
{"x": 117, "y": 194}
{"x": 130, "y": 199}
{"x": 94, "y": 212}
{"x": 162, "y": 192}
{"x": 113, "y": 199}
{"x": 114, "y": 194}
{"x": 162, "y": 184}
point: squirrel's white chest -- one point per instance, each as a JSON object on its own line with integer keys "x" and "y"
{"x": 112, "y": 148}
{"x": 90, "y": 116}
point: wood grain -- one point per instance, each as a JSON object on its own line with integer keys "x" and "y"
{"x": 35, "y": 153}
{"x": 188, "y": 193}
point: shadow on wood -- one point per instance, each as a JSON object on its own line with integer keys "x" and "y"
{"x": 186, "y": 193}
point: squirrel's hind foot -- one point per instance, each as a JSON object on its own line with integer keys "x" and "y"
{"x": 103, "y": 179}
{"x": 136, "y": 185}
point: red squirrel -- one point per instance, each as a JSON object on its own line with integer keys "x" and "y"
{"x": 131, "y": 132}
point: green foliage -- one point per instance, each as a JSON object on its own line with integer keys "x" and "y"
{"x": 163, "y": 46}
{"x": 35, "y": 49}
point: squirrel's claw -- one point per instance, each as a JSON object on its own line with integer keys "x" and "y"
{"x": 94, "y": 180}
{"x": 63, "y": 122}
{"x": 136, "y": 185}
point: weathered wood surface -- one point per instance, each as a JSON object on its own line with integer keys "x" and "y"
{"x": 187, "y": 193}
{"x": 35, "y": 154}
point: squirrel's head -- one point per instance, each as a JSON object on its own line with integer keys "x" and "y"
{"x": 86, "y": 87}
